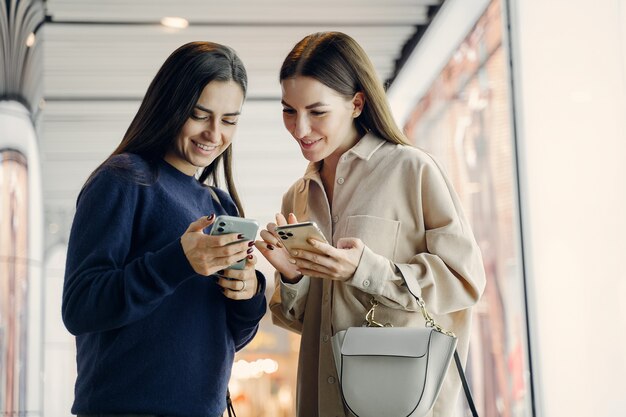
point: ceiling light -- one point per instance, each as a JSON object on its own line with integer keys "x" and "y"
{"x": 175, "y": 22}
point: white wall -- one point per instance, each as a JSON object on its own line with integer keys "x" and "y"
{"x": 569, "y": 63}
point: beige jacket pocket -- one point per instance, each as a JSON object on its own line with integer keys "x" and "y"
{"x": 377, "y": 233}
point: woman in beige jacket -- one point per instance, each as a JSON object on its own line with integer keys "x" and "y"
{"x": 387, "y": 209}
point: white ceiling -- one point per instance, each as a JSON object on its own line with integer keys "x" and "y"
{"x": 100, "y": 56}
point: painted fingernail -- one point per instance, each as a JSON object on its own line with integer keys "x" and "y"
{"x": 211, "y": 217}
{"x": 250, "y": 250}
{"x": 293, "y": 261}
{"x": 251, "y": 243}
{"x": 294, "y": 253}
{"x": 250, "y": 256}
{"x": 270, "y": 247}
{"x": 240, "y": 236}
{"x": 278, "y": 244}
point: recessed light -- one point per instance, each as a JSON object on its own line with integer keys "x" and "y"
{"x": 174, "y": 22}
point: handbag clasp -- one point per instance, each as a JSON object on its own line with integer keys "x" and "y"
{"x": 369, "y": 317}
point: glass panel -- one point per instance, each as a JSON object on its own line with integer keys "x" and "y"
{"x": 13, "y": 281}
{"x": 465, "y": 120}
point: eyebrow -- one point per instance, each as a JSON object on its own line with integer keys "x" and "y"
{"x": 310, "y": 106}
{"x": 197, "y": 106}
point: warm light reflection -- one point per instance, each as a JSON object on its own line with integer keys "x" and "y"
{"x": 243, "y": 369}
{"x": 30, "y": 40}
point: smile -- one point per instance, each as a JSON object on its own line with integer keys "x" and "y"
{"x": 204, "y": 147}
{"x": 308, "y": 143}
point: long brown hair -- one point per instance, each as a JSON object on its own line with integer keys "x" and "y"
{"x": 169, "y": 102}
{"x": 339, "y": 62}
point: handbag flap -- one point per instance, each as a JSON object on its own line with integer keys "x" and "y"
{"x": 386, "y": 341}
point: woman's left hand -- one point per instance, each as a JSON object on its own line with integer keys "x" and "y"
{"x": 239, "y": 284}
{"x": 338, "y": 263}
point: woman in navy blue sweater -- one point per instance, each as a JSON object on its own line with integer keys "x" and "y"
{"x": 157, "y": 313}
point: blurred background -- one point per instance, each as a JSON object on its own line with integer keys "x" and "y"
{"x": 524, "y": 101}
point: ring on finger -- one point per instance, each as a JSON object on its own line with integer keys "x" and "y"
{"x": 243, "y": 287}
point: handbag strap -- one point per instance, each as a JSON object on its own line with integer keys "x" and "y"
{"x": 466, "y": 388}
{"x": 430, "y": 322}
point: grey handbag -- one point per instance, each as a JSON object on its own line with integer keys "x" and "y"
{"x": 393, "y": 372}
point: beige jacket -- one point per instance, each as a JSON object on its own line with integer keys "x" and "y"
{"x": 399, "y": 202}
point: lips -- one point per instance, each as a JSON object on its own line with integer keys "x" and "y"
{"x": 308, "y": 144}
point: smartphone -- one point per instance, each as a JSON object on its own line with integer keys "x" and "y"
{"x": 295, "y": 236}
{"x": 224, "y": 225}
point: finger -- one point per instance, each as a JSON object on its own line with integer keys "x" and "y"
{"x": 322, "y": 247}
{"x": 348, "y": 243}
{"x": 308, "y": 259}
{"x": 269, "y": 237}
{"x": 250, "y": 261}
{"x": 280, "y": 219}
{"x": 202, "y": 223}
{"x": 292, "y": 219}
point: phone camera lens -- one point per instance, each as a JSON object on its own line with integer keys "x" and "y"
{"x": 281, "y": 233}
{"x": 222, "y": 224}
{"x": 284, "y": 237}
{"x": 289, "y": 234}
{"x": 220, "y": 229}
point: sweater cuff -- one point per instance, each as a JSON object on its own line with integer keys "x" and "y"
{"x": 254, "y": 305}
{"x": 171, "y": 265}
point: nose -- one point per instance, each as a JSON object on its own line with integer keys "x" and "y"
{"x": 212, "y": 131}
{"x": 302, "y": 127}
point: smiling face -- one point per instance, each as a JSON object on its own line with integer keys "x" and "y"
{"x": 210, "y": 128}
{"x": 319, "y": 118}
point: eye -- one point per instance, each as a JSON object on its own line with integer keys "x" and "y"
{"x": 231, "y": 122}
{"x": 289, "y": 111}
{"x": 318, "y": 113}
{"x": 198, "y": 117}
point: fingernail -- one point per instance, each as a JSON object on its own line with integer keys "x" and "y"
{"x": 250, "y": 250}
{"x": 240, "y": 236}
{"x": 270, "y": 247}
{"x": 211, "y": 217}
{"x": 293, "y": 261}
{"x": 250, "y": 256}
{"x": 278, "y": 244}
{"x": 294, "y": 253}
{"x": 251, "y": 243}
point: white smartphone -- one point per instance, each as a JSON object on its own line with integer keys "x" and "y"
{"x": 295, "y": 236}
{"x": 224, "y": 225}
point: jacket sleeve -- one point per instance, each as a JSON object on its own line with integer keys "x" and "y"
{"x": 289, "y": 300}
{"x": 448, "y": 275}
{"x": 103, "y": 289}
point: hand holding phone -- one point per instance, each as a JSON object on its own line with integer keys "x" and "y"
{"x": 296, "y": 236}
{"x": 231, "y": 224}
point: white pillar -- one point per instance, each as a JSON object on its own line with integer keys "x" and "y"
{"x": 21, "y": 253}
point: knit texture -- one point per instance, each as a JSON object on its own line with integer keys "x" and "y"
{"x": 152, "y": 336}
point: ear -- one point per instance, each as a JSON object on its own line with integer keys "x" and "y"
{"x": 358, "y": 102}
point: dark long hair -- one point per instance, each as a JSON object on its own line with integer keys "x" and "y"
{"x": 338, "y": 61}
{"x": 170, "y": 100}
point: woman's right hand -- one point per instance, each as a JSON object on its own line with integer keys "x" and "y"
{"x": 274, "y": 251}
{"x": 208, "y": 254}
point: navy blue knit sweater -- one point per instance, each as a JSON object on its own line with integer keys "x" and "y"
{"x": 152, "y": 335}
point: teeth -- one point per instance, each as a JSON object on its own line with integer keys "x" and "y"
{"x": 308, "y": 142}
{"x": 204, "y": 147}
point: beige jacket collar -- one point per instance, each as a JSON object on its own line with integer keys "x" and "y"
{"x": 363, "y": 149}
